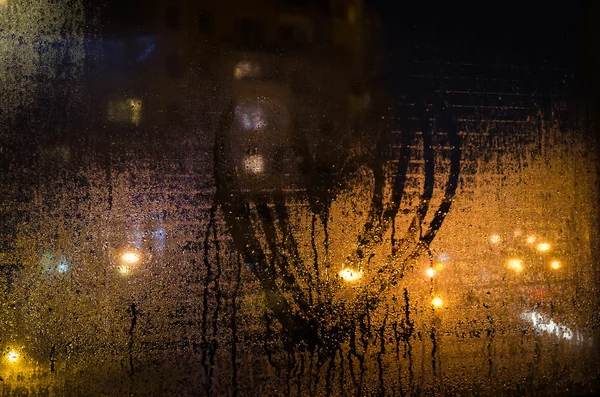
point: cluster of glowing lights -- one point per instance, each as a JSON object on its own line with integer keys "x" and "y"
{"x": 350, "y": 275}
{"x": 515, "y": 265}
{"x": 12, "y": 356}
{"x": 437, "y": 302}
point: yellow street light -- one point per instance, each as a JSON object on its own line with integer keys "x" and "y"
{"x": 543, "y": 247}
{"x": 130, "y": 257}
{"x": 515, "y": 264}
{"x": 12, "y": 356}
{"x": 437, "y": 302}
{"x": 555, "y": 265}
{"x": 350, "y": 275}
{"x": 430, "y": 272}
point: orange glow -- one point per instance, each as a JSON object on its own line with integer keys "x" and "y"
{"x": 531, "y": 239}
{"x": 350, "y": 274}
{"x": 439, "y": 266}
{"x": 130, "y": 257}
{"x": 430, "y": 272}
{"x": 515, "y": 264}
{"x": 543, "y": 247}
{"x": 555, "y": 265}
{"x": 495, "y": 239}
{"x": 437, "y": 302}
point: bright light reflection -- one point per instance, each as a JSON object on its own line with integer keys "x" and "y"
{"x": 531, "y": 239}
{"x": 515, "y": 264}
{"x": 350, "y": 275}
{"x": 543, "y": 247}
{"x": 437, "y": 302}
{"x": 495, "y": 239}
{"x": 254, "y": 164}
{"x": 430, "y": 272}
{"x": 555, "y": 265}
{"x": 12, "y": 356}
{"x": 439, "y": 266}
{"x": 130, "y": 257}
{"x": 543, "y": 324}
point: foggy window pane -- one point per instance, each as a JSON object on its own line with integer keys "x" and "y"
{"x": 298, "y": 198}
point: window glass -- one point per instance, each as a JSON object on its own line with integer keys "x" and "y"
{"x": 298, "y": 198}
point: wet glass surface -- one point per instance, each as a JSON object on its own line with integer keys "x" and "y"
{"x": 312, "y": 198}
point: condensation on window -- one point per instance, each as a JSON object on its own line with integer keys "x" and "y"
{"x": 193, "y": 203}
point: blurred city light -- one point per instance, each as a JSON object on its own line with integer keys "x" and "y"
{"x": 350, "y": 275}
{"x": 430, "y": 272}
{"x": 543, "y": 247}
{"x": 518, "y": 232}
{"x": 544, "y": 324}
{"x": 531, "y": 239}
{"x": 495, "y": 239}
{"x": 12, "y": 356}
{"x": 555, "y": 265}
{"x": 515, "y": 264}
{"x": 254, "y": 164}
{"x": 437, "y": 302}
{"x": 130, "y": 257}
{"x": 246, "y": 69}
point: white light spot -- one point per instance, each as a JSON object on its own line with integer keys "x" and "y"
{"x": 254, "y": 164}
{"x": 350, "y": 275}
